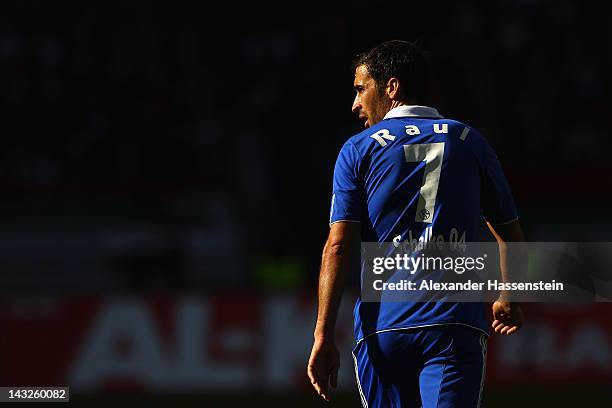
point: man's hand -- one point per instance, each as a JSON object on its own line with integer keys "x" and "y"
{"x": 323, "y": 367}
{"x": 507, "y": 317}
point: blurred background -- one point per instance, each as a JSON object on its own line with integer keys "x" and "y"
{"x": 166, "y": 177}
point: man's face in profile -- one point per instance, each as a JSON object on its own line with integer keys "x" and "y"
{"x": 369, "y": 103}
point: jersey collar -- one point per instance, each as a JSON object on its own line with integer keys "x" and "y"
{"x": 414, "y": 111}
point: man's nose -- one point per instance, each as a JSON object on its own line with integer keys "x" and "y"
{"x": 356, "y": 104}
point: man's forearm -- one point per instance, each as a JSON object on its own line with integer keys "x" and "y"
{"x": 512, "y": 254}
{"x": 334, "y": 265}
{"x": 513, "y": 264}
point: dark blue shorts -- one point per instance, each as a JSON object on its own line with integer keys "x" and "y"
{"x": 437, "y": 366}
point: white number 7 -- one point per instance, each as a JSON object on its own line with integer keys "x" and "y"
{"x": 432, "y": 154}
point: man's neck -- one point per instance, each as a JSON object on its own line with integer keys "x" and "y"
{"x": 395, "y": 104}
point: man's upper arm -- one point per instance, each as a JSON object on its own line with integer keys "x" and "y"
{"x": 347, "y": 202}
{"x": 496, "y": 197}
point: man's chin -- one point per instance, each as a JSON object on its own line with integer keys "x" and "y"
{"x": 366, "y": 124}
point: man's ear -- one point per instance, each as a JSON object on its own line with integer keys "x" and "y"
{"x": 393, "y": 88}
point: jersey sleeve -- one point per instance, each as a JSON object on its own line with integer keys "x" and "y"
{"x": 346, "y": 203}
{"x": 496, "y": 198}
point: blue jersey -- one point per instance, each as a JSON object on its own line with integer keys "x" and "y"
{"x": 416, "y": 174}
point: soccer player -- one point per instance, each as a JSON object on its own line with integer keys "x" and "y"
{"x": 410, "y": 169}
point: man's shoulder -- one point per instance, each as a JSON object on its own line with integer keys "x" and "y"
{"x": 364, "y": 138}
{"x": 367, "y": 132}
{"x": 358, "y": 140}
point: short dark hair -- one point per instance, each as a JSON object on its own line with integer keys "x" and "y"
{"x": 400, "y": 59}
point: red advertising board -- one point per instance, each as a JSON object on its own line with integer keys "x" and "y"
{"x": 249, "y": 341}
